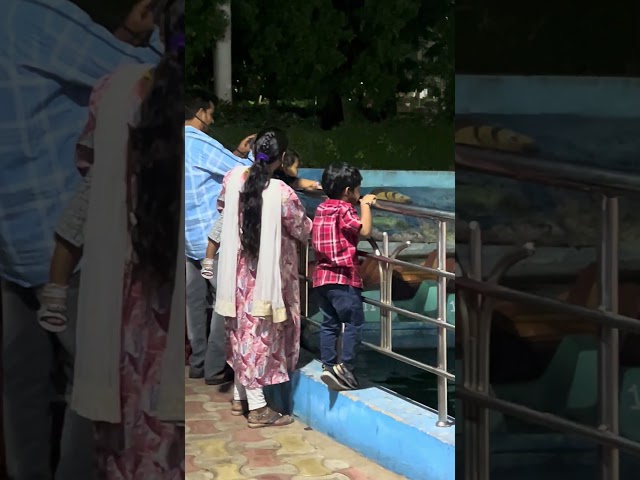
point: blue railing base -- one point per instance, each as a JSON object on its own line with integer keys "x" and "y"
{"x": 392, "y": 431}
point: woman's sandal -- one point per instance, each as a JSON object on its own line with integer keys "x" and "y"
{"x": 268, "y": 418}
{"x": 239, "y": 408}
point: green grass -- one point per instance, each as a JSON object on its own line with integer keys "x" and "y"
{"x": 397, "y": 144}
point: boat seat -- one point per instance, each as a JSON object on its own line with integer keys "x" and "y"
{"x": 430, "y": 306}
{"x": 558, "y": 384}
{"x": 630, "y": 404}
{"x": 582, "y": 401}
{"x": 372, "y": 312}
{"x": 419, "y": 300}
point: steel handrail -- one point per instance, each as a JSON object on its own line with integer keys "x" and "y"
{"x": 550, "y": 304}
{"x": 408, "y": 313}
{"x": 421, "y": 268}
{"x": 476, "y": 333}
{"x": 551, "y": 421}
{"x": 395, "y": 207}
{"x": 539, "y": 170}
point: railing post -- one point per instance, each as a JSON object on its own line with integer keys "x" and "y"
{"x": 303, "y": 268}
{"x": 471, "y": 359}
{"x": 385, "y": 314}
{"x": 608, "y": 352}
{"x": 443, "y": 408}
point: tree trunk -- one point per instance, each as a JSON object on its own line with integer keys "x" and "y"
{"x": 222, "y": 61}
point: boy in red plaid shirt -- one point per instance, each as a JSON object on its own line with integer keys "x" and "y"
{"x": 336, "y": 280}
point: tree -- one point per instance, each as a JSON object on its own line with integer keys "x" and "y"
{"x": 380, "y": 55}
{"x": 285, "y": 49}
{"x": 437, "y": 43}
{"x": 205, "y": 24}
{"x": 352, "y": 56}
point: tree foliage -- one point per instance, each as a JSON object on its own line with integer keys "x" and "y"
{"x": 285, "y": 49}
{"x": 348, "y": 55}
{"x": 206, "y": 23}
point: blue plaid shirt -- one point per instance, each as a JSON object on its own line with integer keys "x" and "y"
{"x": 51, "y": 56}
{"x": 206, "y": 164}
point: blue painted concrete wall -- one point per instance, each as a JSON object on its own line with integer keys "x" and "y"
{"x": 533, "y": 95}
{"x": 394, "y": 432}
{"x": 394, "y": 178}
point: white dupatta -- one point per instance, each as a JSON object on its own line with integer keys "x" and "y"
{"x": 267, "y": 293}
{"x": 96, "y": 386}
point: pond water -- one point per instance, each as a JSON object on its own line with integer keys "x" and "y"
{"x": 408, "y": 381}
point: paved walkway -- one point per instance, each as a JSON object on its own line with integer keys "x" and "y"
{"x": 220, "y": 446}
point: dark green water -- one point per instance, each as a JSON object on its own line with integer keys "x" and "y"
{"x": 403, "y": 379}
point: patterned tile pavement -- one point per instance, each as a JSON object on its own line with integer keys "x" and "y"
{"x": 220, "y": 446}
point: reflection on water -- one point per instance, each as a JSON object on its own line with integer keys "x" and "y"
{"x": 408, "y": 381}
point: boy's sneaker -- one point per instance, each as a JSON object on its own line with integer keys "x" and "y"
{"x": 339, "y": 378}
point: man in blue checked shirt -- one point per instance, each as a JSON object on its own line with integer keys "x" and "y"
{"x": 206, "y": 164}
{"x": 51, "y": 56}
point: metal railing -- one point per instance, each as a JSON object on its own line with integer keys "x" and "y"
{"x": 477, "y": 296}
{"x": 386, "y": 260}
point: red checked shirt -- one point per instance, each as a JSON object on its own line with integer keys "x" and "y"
{"x": 336, "y": 229}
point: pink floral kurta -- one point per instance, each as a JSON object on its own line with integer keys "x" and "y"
{"x": 141, "y": 446}
{"x": 260, "y": 351}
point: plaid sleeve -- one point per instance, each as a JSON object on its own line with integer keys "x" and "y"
{"x": 350, "y": 222}
{"x": 67, "y": 45}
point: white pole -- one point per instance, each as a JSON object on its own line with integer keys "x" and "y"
{"x": 222, "y": 61}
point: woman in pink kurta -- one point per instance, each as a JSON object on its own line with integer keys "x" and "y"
{"x": 144, "y": 444}
{"x": 260, "y": 351}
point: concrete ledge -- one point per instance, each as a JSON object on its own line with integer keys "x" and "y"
{"x": 393, "y": 431}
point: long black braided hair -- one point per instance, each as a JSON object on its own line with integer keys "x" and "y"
{"x": 157, "y": 146}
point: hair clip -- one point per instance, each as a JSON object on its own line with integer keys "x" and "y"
{"x": 262, "y": 156}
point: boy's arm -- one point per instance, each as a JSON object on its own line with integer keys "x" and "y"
{"x": 212, "y": 246}
{"x": 64, "y": 261}
{"x": 214, "y": 236}
{"x": 365, "y": 218}
{"x": 305, "y": 184}
{"x": 365, "y": 214}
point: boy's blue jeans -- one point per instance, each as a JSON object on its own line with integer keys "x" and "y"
{"x": 340, "y": 304}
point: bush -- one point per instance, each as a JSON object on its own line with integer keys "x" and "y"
{"x": 405, "y": 143}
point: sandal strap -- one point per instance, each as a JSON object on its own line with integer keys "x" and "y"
{"x": 53, "y": 308}
{"x": 54, "y": 291}
{"x": 269, "y": 414}
{"x": 55, "y": 311}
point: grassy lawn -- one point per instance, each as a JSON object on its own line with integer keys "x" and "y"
{"x": 397, "y": 144}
